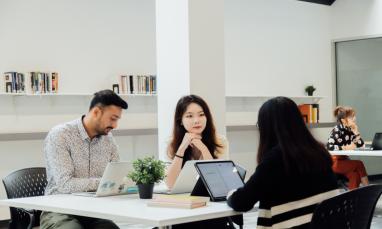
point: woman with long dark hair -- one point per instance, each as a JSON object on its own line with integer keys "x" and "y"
{"x": 345, "y": 136}
{"x": 194, "y": 136}
{"x": 293, "y": 173}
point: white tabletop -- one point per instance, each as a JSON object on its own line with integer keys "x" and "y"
{"x": 127, "y": 208}
{"x": 372, "y": 153}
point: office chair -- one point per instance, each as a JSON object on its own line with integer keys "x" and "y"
{"x": 351, "y": 210}
{"x": 25, "y": 183}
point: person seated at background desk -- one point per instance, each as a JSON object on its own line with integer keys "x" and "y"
{"x": 194, "y": 136}
{"x": 76, "y": 155}
{"x": 293, "y": 173}
{"x": 345, "y": 136}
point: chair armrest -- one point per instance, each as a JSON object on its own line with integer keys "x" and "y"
{"x": 32, "y": 218}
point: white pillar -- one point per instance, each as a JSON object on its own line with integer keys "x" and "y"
{"x": 190, "y": 59}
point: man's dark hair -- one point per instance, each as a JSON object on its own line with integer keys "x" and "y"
{"x": 106, "y": 98}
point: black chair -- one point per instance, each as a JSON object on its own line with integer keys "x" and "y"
{"x": 350, "y": 210}
{"x": 25, "y": 183}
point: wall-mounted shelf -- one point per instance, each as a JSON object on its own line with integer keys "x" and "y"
{"x": 254, "y": 127}
{"x": 135, "y": 132}
{"x": 263, "y": 98}
{"x": 71, "y": 94}
{"x": 42, "y": 135}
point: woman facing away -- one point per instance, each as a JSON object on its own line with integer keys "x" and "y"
{"x": 194, "y": 136}
{"x": 293, "y": 173}
{"x": 345, "y": 136}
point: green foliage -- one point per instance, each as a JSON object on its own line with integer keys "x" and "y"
{"x": 147, "y": 171}
{"x": 310, "y": 89}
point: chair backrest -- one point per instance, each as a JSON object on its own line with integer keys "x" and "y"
{"x": 350, "y": 210}
{"x": 24, "y": 183}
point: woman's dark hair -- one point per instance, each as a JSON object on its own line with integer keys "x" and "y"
{"x": 281, "y": 124}
{"x": 106, "y": 98}
{"x": 208, "y": 135}
{"x": 342, "y": 112}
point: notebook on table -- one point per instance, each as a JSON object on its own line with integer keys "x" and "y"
{"x": 114, "y": 181}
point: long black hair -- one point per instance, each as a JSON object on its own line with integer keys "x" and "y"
{"x": 281, "y": 124}
{"x": 208, "y": 134}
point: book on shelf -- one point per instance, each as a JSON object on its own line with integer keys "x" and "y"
{"x": 310, "y": 112}
{"x": 14, "y": 82}
{"x": 179, "y": 201}
{"x": 43, "y": 82}
{"x": 35, "y": 83}
{"x": 137, "y": 84}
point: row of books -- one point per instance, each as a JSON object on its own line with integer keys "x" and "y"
{"x": 35, "y": 82}
{"x": 137, "y": 84}
{"x": 179, "y": 201}
{"x": 310, "y": 112}
{"x": 14, "y": 82}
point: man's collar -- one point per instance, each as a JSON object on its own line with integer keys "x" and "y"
{"x": 81, "y": 128}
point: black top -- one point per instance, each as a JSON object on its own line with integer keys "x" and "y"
{"x": 341, "y": 136}
{"x": 275, "y": 190}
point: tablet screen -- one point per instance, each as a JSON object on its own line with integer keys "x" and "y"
{"x": 220, "y": 177}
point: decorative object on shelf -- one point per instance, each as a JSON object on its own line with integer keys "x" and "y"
{"x": 310, "y": 89}
{"x": 116, "y": 88}
{"x": 147, "y": 171}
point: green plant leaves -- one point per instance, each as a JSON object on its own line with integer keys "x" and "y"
{"x": 147, "y": 171}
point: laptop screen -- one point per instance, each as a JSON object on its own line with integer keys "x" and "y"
{"x": 219, "y": 177}
{"x": 377, "y": 142}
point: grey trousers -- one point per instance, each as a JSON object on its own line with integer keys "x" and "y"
{"x": 52, "y": 220}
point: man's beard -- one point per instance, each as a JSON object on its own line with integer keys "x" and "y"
{"x": 104, "y": 131}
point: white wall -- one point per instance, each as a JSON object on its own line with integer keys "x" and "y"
{"x": 354, "y": 18}
{"x": 276, "y": 47}
{"x": 88, "y": 42}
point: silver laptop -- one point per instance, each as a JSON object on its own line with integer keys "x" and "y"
{"x": 114, "y": 181}
{"x": 185, "y": 182}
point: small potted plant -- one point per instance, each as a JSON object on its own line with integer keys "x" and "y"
{"x": 147, "y": 171}
{"x": 310, "y": 89}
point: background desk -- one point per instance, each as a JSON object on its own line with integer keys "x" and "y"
{"x": 370, "y": 153}
{"x": 127, "y": 208}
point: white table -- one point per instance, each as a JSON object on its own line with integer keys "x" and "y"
{"x": 127, "y": 208}
{"x": 370, "y": 153}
